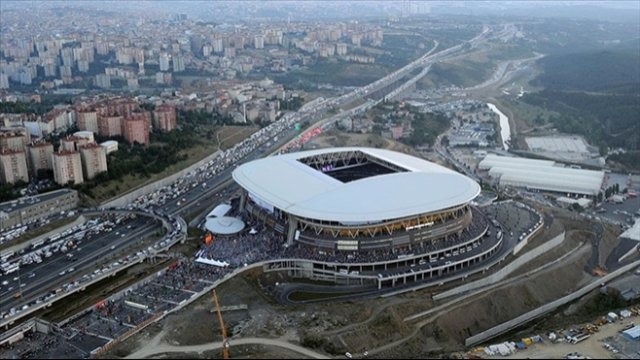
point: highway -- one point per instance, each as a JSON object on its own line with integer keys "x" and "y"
{"x": 37, "y": 280}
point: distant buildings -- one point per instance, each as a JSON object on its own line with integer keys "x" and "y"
{"x": 164, "y": 62}
{"x": 4, "y": 81}
{"x": 103, "y": 81}
{"x": 258, "y": 42}
{"x": 178, "y": 63}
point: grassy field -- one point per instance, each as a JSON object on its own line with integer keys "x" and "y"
{"x": 229, "y": 136}
{"x": 523, "y": 114}
{"x": 345, "y": 74}
{"x": 115, "y": 188}
{"x": 463, "y": 72}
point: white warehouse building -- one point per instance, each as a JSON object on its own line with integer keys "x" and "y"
{"x": 542, "y": 175}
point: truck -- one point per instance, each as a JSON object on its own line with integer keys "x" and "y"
{"x": 617, "y": 199}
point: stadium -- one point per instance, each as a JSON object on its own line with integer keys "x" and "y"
{"x": 364, "y": 207}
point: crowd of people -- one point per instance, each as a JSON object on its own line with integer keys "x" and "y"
{"x": 37, "y": 345}
{"x": 267, "y": 244}
{"x": 516, "y": 220}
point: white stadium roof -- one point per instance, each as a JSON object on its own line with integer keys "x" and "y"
{"x": 542, "y": 174}
{"x": 288, "y": 184}
{"x": 219, "y": 211}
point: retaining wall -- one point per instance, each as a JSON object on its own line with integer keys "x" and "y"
{"x": 505, "y": 271}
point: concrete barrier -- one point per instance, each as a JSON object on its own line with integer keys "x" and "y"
{"x": 519, "y": 246}
{"x": 505, "y": 271}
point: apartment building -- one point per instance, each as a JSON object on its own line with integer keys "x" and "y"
{"x": 40, "y": 156}
{"x": 13, "y": 140}
{"x": 23, "y": 211}
{"x": 72, "y": 142}
{"x": 13, "y": 166}
{"x": 110, "y": 125}
{"x": 135, "y": 128}
{"x": 67, "y": 166}
{"x": 94, "y": 160}
{"x": 164, "y": 117}
{"x": 87, "y": 120}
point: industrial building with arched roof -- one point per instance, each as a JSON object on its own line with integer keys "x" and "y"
{"x": 543, "y": 175}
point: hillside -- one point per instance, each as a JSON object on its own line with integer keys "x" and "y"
{"x": 597, "y": 95}
{"x": 602, "y": 71}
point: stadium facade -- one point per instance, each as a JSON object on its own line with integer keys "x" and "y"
{"x": 359, "y": 211}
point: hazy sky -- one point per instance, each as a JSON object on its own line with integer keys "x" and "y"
{"x": 307, "y": 10}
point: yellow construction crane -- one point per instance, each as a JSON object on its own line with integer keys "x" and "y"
{"x": 225, "y": 344}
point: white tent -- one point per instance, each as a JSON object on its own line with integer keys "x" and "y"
{"x": 219, "y": 211}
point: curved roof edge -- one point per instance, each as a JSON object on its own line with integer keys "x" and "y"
{"x": 287, "y": 184}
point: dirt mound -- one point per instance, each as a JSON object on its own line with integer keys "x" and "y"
{"x": 503, "y": 304}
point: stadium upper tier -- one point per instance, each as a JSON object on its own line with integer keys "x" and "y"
{"x": 353, "y": 185}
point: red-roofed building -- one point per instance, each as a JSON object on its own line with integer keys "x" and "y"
{"x": 110, "y": 125}
{"x": 136, "y": 127}
{"x": 164, "y": 117}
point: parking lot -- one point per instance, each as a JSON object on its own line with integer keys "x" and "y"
{"x": 593, "y": 347}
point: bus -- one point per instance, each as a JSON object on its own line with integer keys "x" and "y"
{"x": 37, "y": 243}
{"x": 11, "y": 268}
{"x": 6, "y": 255}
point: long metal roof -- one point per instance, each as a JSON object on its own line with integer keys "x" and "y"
{"x": 298, "y": 189}
{"x": 543, "y": 175}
